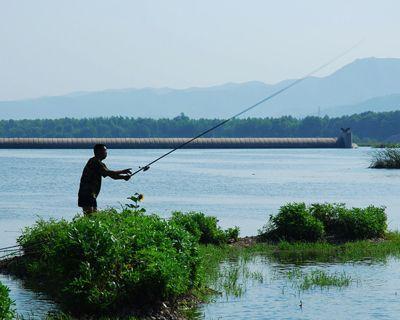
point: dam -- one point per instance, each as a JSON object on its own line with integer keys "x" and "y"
{"x": 344, "y": 140}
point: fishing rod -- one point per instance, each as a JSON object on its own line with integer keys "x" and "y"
{"x": 276, "y": 93}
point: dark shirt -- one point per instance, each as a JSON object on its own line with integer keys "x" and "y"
{"x": 91, "y": 177}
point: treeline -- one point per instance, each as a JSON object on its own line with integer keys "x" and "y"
{"x": 368, "y": 126}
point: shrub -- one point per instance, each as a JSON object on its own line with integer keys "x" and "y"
{"x": 6, "y": 304}
{"x": 204, "y": 228}
{"x": 328, "y": 214}
{"x": 110, "y": 259}
{"x": 387, "y": 158}
{"x": 297, "y": 222}
{"x": 294, "y": 222}
{"x": 358, "y": 223}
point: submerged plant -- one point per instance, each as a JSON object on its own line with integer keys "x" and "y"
{"x": 232, "y": 277}
{"x": 317, "y": 278}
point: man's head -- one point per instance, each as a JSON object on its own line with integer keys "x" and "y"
{"x": 100, "y": 151}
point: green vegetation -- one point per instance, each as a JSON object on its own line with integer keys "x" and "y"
{"x": 111, "y": 259}
{"x": 317, "y": 278}
{"x": 369, "y": 127}
{"x": 298, "y": 222}
{"x": 118, "y": 260}
{"x": 6, "y": 304}
{"x": 204, "y": 228}
{"x": 388, "y": 158}
{"x": 230, "y": 268}
{"x": 122, "y": 262}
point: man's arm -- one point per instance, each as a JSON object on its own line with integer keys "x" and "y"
{"x": 118, "y": 175}
{"x": 125, "y": 171}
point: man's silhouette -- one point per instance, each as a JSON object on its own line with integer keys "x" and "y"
{"x": 90, "y": 184}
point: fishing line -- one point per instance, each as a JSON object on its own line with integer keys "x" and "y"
{"x": 276, "y": 93}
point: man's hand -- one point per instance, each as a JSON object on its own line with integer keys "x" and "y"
{"x": 127, "y": 171}
{"x": 127, "y": 177}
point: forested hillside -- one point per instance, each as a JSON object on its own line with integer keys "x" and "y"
{"x": 367, "y": 126}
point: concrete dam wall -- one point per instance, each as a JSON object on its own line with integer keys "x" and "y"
{"x": 343, "y": 141}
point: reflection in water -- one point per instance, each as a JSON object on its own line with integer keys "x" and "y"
{"x": 29, "y": 304}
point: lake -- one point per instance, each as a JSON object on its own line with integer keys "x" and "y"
{"x": 240, "y": 187}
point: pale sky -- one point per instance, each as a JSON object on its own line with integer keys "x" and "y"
{"x": 52, "y": 47}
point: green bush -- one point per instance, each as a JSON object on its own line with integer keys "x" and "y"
{"x": 294, "y": 222}
{"x": 362, "y": 223}
{"x": 328, "y": 214}
{"x": 204, "y": 228}
{"x": 6, "y": 304}
{"x": 110, "y": 259}
{"x": 297, "y": 222}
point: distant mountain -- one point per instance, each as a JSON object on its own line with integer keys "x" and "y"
{"x": 378, "y": 104}
{"x": 348, "y": 87}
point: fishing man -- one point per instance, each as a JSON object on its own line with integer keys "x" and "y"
{"x": 90, "y": 183}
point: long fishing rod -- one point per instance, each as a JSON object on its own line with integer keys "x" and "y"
{"x": 276, "y": 93}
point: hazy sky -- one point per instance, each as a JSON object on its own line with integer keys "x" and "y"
{"x": 53, "y": 47}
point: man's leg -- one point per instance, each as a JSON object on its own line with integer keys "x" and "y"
{"x": 89, "y": 210}
{"x": 87, "y": 203}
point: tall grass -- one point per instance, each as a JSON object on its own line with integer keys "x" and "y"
{"x": 388, "y": 158}
{"x": 317, "y": 278}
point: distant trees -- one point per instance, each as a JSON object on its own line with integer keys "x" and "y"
{"x": 368, "y": 126}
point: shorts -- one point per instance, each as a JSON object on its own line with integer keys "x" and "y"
{"x": 86, "y": 201}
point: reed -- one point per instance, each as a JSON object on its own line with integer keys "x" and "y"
{"x": 388, "y": 158}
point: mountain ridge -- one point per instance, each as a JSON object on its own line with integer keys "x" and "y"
{"x": 349, "y": 86}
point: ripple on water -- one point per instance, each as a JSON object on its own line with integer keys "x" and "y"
{"x": 28, "y": 303}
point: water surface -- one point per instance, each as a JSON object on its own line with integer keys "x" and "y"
{"x": 240, "y": 187}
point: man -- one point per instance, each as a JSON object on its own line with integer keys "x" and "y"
{"x": 90, "y": 184}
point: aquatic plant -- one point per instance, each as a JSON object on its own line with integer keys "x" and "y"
{"x": 388, "y": 158}
{"x": 317, "y": 278}
{"x": 110, "y": 259}
{"x": 7, "y": 311}
{"x": 298, "y": 222}
{"x": 204, "y": 228}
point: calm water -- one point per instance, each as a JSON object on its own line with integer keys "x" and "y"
{"x": 240, "y": 187}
